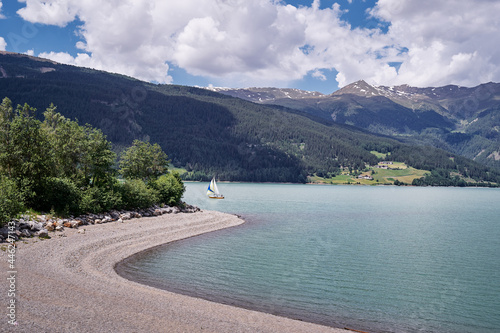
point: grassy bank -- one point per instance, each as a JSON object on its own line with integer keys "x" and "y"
{"x": 381, "y": 174}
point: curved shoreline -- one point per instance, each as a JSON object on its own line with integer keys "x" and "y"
{"x": 68, "y": 284}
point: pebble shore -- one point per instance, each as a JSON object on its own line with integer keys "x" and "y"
{"x": 39, "y": 225}
{"x": 68, "y": 283}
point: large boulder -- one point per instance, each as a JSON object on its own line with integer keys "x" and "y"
{"x": 190, "y": 209}
{"x": 80, "y": 221}
{"x": 50, "y": 226}
{"x": 24, "y": 225}
{"x": 164, "y": 210}
{"x": 42, "y": 233}
{"x": 4, "y": 232}
{"x": 36, "y": 226}
{"x": 125, "y": 216}
{"x": 115, "y": 215}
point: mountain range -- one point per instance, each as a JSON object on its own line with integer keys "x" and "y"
{"x": 461, "y": 120}
{"x": 208, "y": 132}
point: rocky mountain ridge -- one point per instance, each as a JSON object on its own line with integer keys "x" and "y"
{"x": 207, "y": 132}
{"x": 266, "y": 95}
{"x": 463, "y": 120}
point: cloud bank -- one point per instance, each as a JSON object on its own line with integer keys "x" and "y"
{"x": 448, "y": 41}
{"x": 266, "y": 42}
{"x": 3, "y": 44}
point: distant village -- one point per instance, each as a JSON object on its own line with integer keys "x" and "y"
{"x": 381, "y": 165}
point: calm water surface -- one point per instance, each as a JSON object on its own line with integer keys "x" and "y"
{"x": 380, "y": 259}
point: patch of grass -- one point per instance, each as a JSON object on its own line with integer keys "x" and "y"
{"x": 379, "y": 155}
{"x": 396, "y": 171}
{"x": 181, "y": 171}
{"x": 404, "y": 174}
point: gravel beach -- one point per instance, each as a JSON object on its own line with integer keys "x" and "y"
{"x": 68, "y": 284}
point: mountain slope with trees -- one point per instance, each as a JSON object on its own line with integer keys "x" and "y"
{"x": 464, "y": 121}
{"x": 206, "y": 132}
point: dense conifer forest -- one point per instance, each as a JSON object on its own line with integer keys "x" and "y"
{"x": 208, "y": 133}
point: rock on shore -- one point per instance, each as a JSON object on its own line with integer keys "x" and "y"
{"x": 44, "y": 225}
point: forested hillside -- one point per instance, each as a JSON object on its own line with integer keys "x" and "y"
{"x": 461, "y": 120}
{"x": 206, "y": 132}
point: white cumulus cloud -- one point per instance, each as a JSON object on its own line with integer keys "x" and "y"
{"x": 266, "y": 42}
{"x": 447, "y": 41}
{"x": 3, "y": 43}
{"x": 55, "y": 12}
{"x": 1, "y": 15}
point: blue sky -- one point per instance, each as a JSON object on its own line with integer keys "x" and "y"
{"x": 310, "y": 45}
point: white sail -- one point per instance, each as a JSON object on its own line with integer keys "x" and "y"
{"x": 213, "y": 191}
{"x": 216, "y": 190}
{"x": 210, "y": 189}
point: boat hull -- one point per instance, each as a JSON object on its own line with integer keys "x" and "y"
{"x": 216, "y": 197}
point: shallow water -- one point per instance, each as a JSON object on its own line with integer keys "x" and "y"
{"x": 380, "y": 259}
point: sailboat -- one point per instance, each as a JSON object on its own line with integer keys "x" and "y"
{"x": 213, "y": 191}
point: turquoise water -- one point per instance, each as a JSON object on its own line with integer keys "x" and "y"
{"x": 380, "y": 259}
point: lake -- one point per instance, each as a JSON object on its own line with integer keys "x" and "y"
{"x": 379, "y": 259}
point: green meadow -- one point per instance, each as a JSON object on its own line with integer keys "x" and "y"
{"x": 396, "y": 171}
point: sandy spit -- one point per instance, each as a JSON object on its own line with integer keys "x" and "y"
{"x": 68, "y": 284}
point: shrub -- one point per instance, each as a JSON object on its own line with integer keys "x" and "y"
{"x": 143, "y": 160}
{"x": 11, "y": 200}
{"x": 170, "y": 188}
{"x": 99, "y": 199}
{"x": 135, "y": 194}
{"x": 58, "y": 194}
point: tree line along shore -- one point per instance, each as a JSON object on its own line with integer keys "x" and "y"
{"x": 56, "y": 166}
{"x": 62, "y": 168}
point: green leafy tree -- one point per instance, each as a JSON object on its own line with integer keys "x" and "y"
{"x": 169, "y": 188}
{"x": 100, "y": 199}
{"x": 98, "y": 159}
{"x": 29, "y": 155}
{"x": 58, "y": 165}
{"x": 81, "y": 153}
{"x": 67, "y": 142}
{"x": 6, "y": 117}
{"x": 58, "y": 194}
{"x": 136, "y": 194}
{"x": 11, "y": 200}
{"x": 144, "y": 161}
